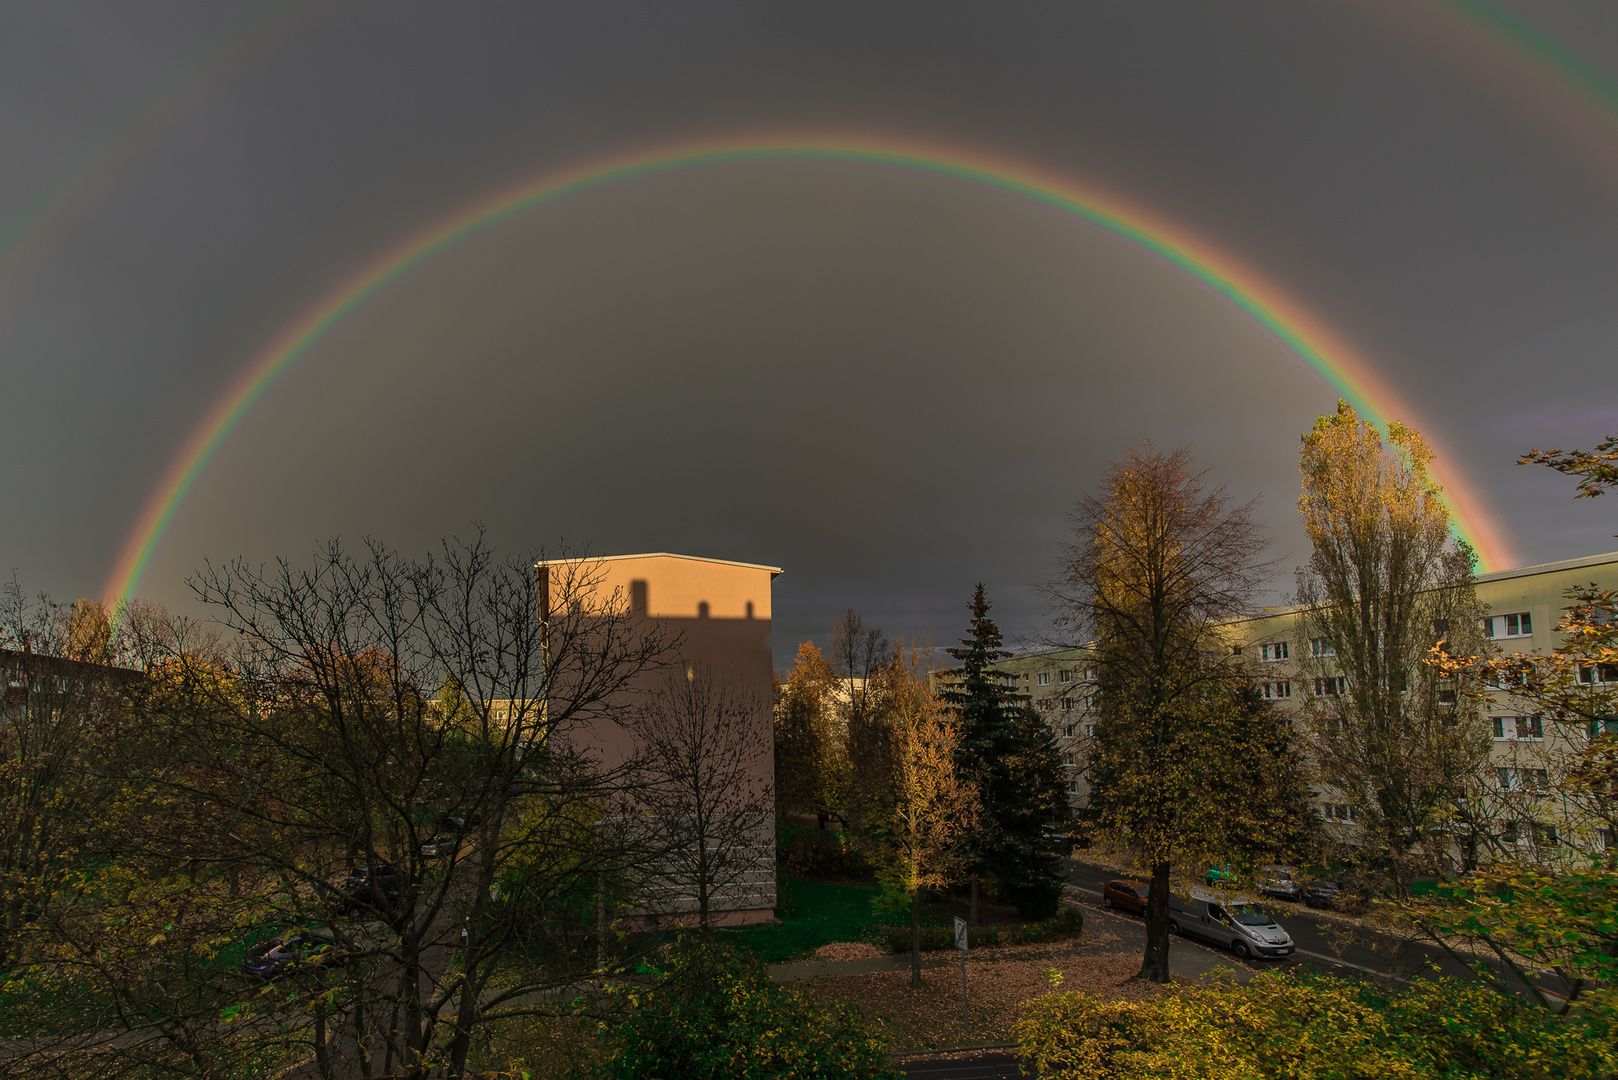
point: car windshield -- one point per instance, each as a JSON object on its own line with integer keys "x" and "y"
{"x": 1248, "y": 915}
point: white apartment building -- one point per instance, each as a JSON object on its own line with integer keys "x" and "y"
{"x": 1524, "y": 606}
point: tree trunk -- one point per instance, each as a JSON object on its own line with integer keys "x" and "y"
{"x": 1154, "y": 965}
{"x": 915, "y": 938}
{"x": 972, "y": 915}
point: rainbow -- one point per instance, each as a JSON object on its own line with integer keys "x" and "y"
{"x": 1310, "y": 340}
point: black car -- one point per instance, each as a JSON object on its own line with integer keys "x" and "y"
{"x": 376, "y": 887}
{"x": 457, "y": 822}
{"x": 1322, "y": 894}
{"x": 272, "y": 958}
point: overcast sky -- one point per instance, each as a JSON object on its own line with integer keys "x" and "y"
{"x": 891, "y": 384}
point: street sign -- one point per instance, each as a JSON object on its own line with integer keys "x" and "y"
{"x": 960, "y": 943}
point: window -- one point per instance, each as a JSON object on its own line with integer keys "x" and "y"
{"x": 1044, "y": 678}
{"x": 1275, "y": 650}
{"x": 1067, "y": 704}
{"x": 1072, "y": 787}
{"x": 1339, "y": 812}
{"x": 1545, "y": 835}
{"x": 1278, "y": 691}
{"x": 1235, "y": 650}
{"x": 1321, "y": 647}
{"x": 1067, "y": 731}
{"x": 1598, "y": 674}
{"x": 1331, "y": 686}
{"x": 1530, "y": 727}
{"x": 1065, "y": 675}
{"x": 1070, "y": 760}
{"x": 1046, "y": 704}
{"x": 1508, "y": 778}
{"x": 1538, "y": 779}
{"x": 1608, "y": 838}
{"x": 1606, "y": 725}
{"x": 1516, "y": 624}
{"x": 1089, "y": 731}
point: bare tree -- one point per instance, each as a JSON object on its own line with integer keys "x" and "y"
{"x": 323, "y": 745}
{"x": 1386, "y": 582}
{"x": 705, "y": 750}
{"x": 1157, "y": 565}
{"x": 860, "y": 658}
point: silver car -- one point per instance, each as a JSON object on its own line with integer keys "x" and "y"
{"x": 1281, "y": 882}
{"x": 1238, "y": 924}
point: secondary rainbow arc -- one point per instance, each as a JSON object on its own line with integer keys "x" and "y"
{"x": 1305, "y": 335}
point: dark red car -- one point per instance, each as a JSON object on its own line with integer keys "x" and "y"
{"x": 1126, "y": 894}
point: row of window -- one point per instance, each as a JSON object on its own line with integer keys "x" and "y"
{"x": 1529, "y": 728}
{"x": 1511, "y": 778}
{"x": 1510, "y": 625}
{"x": 1515, "y": 624}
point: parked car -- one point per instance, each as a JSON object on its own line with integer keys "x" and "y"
{"x": 1061, "y": 839}
{"x": 316, "y": 948}
{"x": 436, "y": 847}
{"x": 1280, "y": 882}
{"x": 1238, "y": 924}
{"x": 376, "y": 887}
{"x": 1221, "y": 875}
{"x": 457, "y": 822}
{"x": 1125, "y": 893}
{"x": 1322, "y": 894}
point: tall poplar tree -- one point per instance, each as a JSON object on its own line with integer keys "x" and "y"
{"x": 1387, "y": 582}
{"x": 1011, "y": 755}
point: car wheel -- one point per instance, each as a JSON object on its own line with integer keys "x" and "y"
{"x": 1106, "y": 902}
{"x": 1174, "y": 927}
{"x": 1241, "y": 950}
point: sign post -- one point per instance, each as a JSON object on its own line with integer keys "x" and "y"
{"x": 960, "y": 943}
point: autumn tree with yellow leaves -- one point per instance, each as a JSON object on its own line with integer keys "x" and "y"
{"x": 935, "y": 808}
{"x": 1386, "y": 581}
{"x": 1158, "y": 565}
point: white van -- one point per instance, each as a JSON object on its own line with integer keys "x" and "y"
{"x": 1236, "y": 923}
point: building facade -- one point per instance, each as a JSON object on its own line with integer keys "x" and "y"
{"x": 714, "y": 615}
{"x": 1528, "y": 750}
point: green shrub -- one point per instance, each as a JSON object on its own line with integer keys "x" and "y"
{"x": 1308, "y": 1026}
{"x": 1068, "y": 922}
{"x": 713, "y": 1011}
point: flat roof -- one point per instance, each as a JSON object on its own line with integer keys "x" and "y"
{"x": 1550, "y": 567}
{"x": 774, "y": 571}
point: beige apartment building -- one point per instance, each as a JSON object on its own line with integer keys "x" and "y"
{"x": 1524, "y": 606}
{"x": 716, "y": 614}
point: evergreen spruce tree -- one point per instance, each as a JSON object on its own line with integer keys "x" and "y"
{"x": 1011, "y": 755}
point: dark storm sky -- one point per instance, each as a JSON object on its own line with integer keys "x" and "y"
{"x": 890, "y": 384}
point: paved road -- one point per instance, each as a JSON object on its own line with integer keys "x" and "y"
{"x": 1325, "y": 942}
{"x": 979, "y": 1065}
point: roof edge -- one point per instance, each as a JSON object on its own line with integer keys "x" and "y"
{"x": 1550, "y": 567}
{"x": 774, "y": 571}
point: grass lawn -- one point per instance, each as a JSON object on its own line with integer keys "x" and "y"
{"x": 816, "y": 913}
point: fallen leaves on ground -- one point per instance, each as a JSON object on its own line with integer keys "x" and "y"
{"x": 848, "y": 950}
{"x": 929, "y": 1017}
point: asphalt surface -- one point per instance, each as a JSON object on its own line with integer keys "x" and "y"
{"x": 969, "y": 1065}
{"x": 1328, "y": 943}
